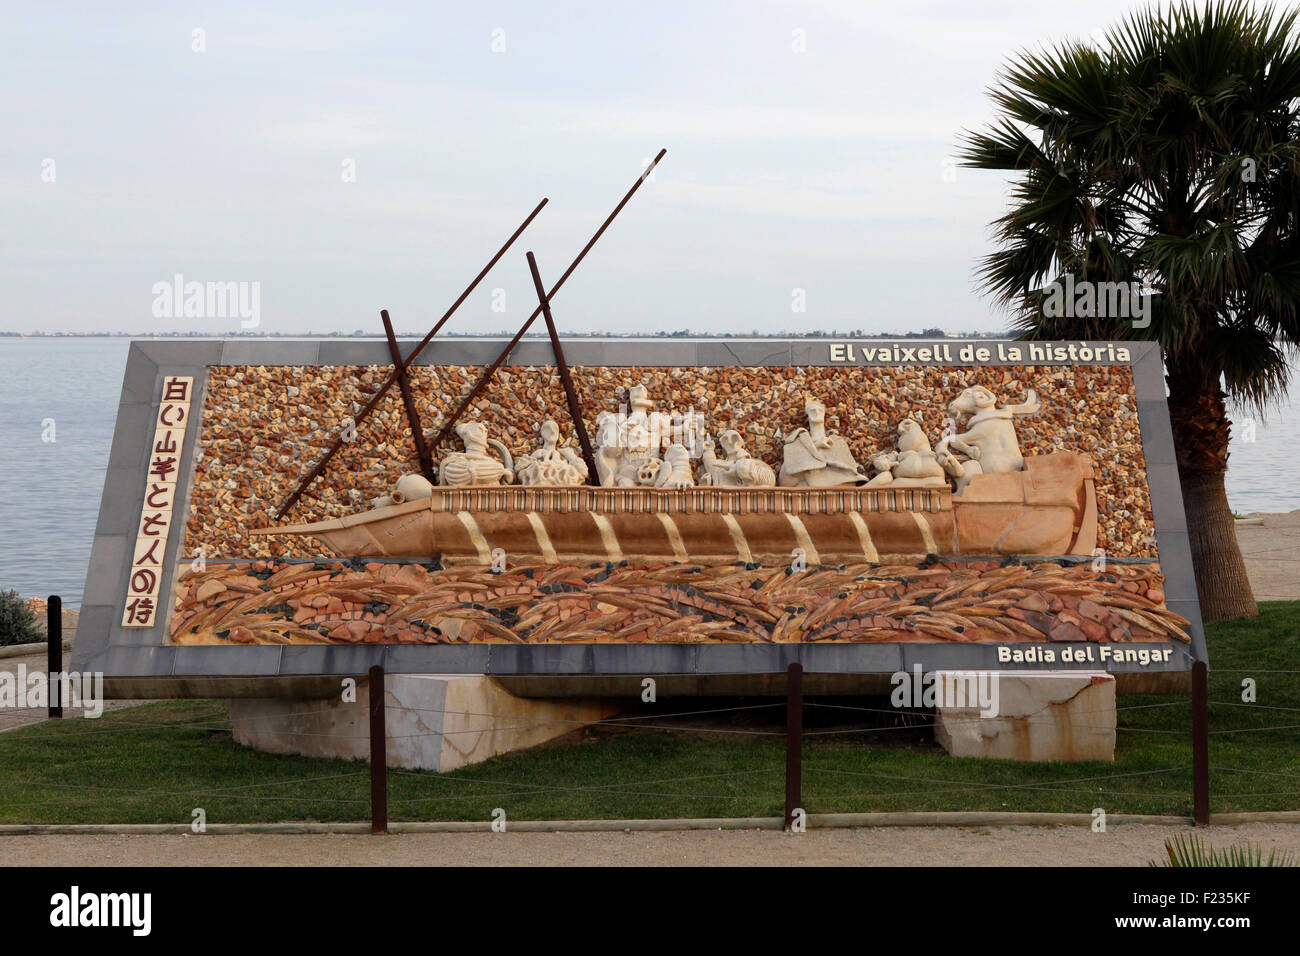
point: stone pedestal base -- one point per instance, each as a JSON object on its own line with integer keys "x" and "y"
{"x": 434, "y": 721}
{"x": 1053, "y": 715}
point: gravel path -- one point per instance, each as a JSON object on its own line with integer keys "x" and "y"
{"x": 1125, "y": 845}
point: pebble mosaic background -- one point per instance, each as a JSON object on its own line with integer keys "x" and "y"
{"x": 264, "y": 426}
{"x": 351, "y": 602}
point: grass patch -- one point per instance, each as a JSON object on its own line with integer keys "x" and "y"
{"x": 156, "y": 763}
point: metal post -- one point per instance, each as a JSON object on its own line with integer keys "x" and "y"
{"x": 793, "y": 741}
{"x": 566, "y": 379}
{"x": 371, "y": 405}
{"x": 408, "y": 400}
{"x": 378, "y": 754}
{"x": 488, "y": 372}
{"x": 54, "y": 653}
{"x": 1201, "y": 743}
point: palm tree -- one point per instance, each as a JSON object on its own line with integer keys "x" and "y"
{"x": 1166, "y": 157}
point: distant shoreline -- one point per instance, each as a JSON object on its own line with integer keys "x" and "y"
{"x": 509, "y": 333}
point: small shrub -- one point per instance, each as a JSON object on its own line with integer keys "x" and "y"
{"x": 1190, "y": 850}
{"x": 18, "y": 624}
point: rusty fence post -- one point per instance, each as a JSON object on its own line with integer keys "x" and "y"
{"x": 1201, "y": 743}
{"x": 793, "y": 741}
{"x": 378, "y": 754}
{"x": 54, "y": 654}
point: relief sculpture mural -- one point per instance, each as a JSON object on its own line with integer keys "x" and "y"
{"x": 758, "y": 514}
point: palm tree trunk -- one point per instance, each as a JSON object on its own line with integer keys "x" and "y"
{"x": 1201, "y": 429}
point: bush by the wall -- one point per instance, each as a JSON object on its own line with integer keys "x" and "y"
{"x": 18, "y": 624}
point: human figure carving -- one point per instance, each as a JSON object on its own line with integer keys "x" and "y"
{"x": 674, "y": 471}
{"x": 628, "y": 449}
{"x": 475, "y": 465}
{"x": 552, "y": 464}
{"x": 914, "y": 461}
{"x": 816, "y": 458}
{"x": 737, "y": 468}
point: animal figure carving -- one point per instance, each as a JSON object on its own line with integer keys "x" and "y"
{"x": 475, "y": 466}
{"x": 988, "y": 445}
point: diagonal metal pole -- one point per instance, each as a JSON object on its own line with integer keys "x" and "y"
{"x": 408, "y": 399}
{"x": 361, "y": 416}
{"x": 570, "y": 393}
{"x": 450, "y": 423}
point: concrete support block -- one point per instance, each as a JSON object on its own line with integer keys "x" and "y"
{"x": 1041, "y": 716}
{"x": 434, "y": 721}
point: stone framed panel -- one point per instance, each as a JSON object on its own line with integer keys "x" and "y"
{"x": 743, "y": 366}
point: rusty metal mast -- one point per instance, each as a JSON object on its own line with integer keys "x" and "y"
{"x": 450, "y": 423}
{"x": 400, "y": 368}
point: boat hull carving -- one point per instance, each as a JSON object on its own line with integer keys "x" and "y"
{"x": 1047, "y": 509}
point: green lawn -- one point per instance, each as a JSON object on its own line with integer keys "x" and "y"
{"x": 159, "y": 762}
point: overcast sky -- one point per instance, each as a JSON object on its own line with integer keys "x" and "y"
{"x": 820, "y": 170}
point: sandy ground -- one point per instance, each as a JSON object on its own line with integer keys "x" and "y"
{"x": 1272, "y": 554}
{"x": 1124, "y": 845}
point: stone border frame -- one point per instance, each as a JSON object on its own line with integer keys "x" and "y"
{"x": 103, "y": 645}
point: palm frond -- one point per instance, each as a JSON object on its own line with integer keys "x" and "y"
{"x": 1190, "y": 850}
{"x": 1167, "y": 155}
